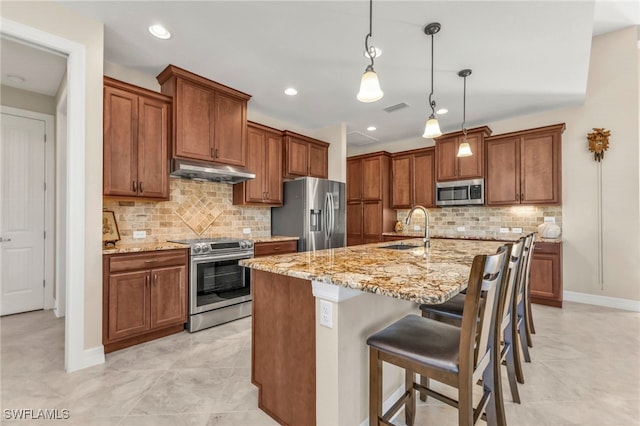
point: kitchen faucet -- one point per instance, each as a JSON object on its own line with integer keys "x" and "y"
{"x": 426, "y": 241}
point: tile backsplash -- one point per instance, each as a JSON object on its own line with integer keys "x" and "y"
{"x": 195, "y": 210}
{"x": 483, "y": 222}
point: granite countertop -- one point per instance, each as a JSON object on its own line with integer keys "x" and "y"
{"x": 402, "y": 274}
{"x": 273, "y": 239}
{"x": 140, "y": 247}
{"x": 509, "y": 237}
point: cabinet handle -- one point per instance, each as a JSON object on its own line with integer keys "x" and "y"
{"x": 216, "y": 156}
{"x": 141, "y": 187}
{"x": 146, "y": 281}
{"x": 212, "y": 153}
{"x": 266, "y": 194}
{"x": 135, "y": 186}
{"x": 155, "y": 279}
{"x": 522, "y": 196}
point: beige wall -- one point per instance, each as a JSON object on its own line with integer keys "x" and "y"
{"x": 53, "y": 18}
{"x": 611, "y": 102}
{"x": 30, "y": 101}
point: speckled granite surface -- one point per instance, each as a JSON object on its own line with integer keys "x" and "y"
{"x": 506, "y": 237}
{"x": 273, "y": 239}
{"x": 402, "y": 274}
{"x": 140, "y": 247}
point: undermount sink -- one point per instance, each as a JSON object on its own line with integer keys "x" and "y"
{"x": 400, "y": 246}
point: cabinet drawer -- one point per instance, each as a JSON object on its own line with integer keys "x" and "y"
{"x": 547, "y": 248}
{"x": 276, "y": 247}
{"x": 130, "y": 262}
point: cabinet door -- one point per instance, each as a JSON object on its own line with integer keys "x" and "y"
{"x": 540, "y": 169}
{"x": 297, "y": 157}
{"x": 503, "y": 172}
{"x": 318, "y": 161}
{"x": 546, "y": 274}
{"x": 230, "y": 126}
{"x": 372, "y": 178}
{"x": 354, "y": 223}
{"x": 273, "y": 171}
{"x": 128, "y": 304}
{"x": 424, "y": 179}
{"x": 256, "y": 162}
{"x": 372, "y": 221}
{"x": 401, "y": 182}
{"x": 354, "y": 180}
{"x": 471, "y": 167}
{"x": 446, "y": 151}
{"x": 168, "y": 296}
{"x": 120, "y": 142}
{"x": 194, "y": 127}
{"x": 153, "y": 148}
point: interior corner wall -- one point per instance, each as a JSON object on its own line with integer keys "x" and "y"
{"x": 611, "y": 102}
{"x": 131, "y": 76}
{"x": 30, "y": 101}
{"x": 337, "y": 137}
{"x": 54, "y": 18}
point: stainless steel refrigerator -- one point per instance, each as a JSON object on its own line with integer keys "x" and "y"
{"x": 314, "y": 210}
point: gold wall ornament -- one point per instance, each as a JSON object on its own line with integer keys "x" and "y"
{"x": 598, "y": 142}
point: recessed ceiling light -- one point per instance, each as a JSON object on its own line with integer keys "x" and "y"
{"x": 442, "y": 111}
{"x": 15, "y": 79}
{"x": 290, "y": 91}
{"x": 378, "y": 52}
{"x": 159, "y": 31}
{"x": 371, "y": 128}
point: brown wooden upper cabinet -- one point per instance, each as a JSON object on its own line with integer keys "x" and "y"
{"x": 449, "y": 166}
{"x": 136, "y": 128}
{"x": 264, "y": 158}
{"x": 209, "y": 119}
{"x": 413, "y": 178}
{"x": 524, "y": 167}
{"x": 304, "y": 156}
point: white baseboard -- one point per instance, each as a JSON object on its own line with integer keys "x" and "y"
{"x": 388, "y": 403}
{"x": 609, "y": 302}
{"x": 93, "y": 356}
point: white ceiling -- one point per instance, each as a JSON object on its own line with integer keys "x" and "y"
{"x": 526, "y": 56}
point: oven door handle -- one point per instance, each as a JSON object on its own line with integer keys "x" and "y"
{"x": 201, "y": 259}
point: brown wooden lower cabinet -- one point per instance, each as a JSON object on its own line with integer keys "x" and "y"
{"x": 546, "y": 274}
{"x": 283, "y": 350}
{"x": 271, "y": 248}
{"x": 144, "y": 296}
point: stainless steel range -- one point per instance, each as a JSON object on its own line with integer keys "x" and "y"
{"x": 219, "y": 289}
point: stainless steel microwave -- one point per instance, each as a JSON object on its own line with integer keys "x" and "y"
{"x": 460, "y": 193}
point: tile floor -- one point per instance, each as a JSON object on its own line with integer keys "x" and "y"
{"x": 585, "y": 371}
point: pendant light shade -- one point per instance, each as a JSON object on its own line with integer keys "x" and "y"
{"x": 369, "y": 84}
{"x": 369, "y": 87}
{"x": 464, "y": 150}
{"x": 432, "y": 127}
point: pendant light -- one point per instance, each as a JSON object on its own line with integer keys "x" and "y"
{"x": 369, "y": 85}
{"x": 464, "y": 150}
{"x": 432, "y": 128}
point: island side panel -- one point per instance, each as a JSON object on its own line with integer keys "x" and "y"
{"x": 283, "y": 347}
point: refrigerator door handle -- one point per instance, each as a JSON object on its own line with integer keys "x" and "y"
{"x": 331, "y": 214}
{"x": 327, "y": 212}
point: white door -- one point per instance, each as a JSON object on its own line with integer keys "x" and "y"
{"x": 22, "y": 168}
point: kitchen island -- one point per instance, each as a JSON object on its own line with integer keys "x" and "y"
{"x": 313, "y": 311}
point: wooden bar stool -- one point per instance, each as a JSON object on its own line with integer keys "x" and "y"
{"x": 456, "y": 356}
{"x": 452, "y": 310}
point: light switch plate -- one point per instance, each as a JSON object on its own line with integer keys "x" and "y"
{"x": 246, "y": 231}
{"x": 461, "y": 228}
{"x": 504, "y": 230}
{"x": 549, "y": 219}
{"x": 516, "y": 230}
{"x": 416, "y": 227}
{"x": 139, "y": 234}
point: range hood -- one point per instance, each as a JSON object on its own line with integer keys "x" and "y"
{"x": 196, "y": 170}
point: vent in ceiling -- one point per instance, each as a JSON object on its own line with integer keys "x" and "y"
{"x": 360, "y": 139}
{"x": 396, "y": 107}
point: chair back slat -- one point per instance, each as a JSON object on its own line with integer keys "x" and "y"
{"x": 513, "y": 271}
{"x": 480, "y": 306}
{"x": 523, "y": 275}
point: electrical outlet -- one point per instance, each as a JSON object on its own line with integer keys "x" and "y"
{"x": 461, "y": 228}
{"x": 246, "y": 231}
{"x": 139, "y": 234}
{"x": 549, "y": 219}
{"x": 516, "y": 230}
{"x": 326, "y": 314}
{"x": 504, "y": 230}
{"x": 416, "y": 227}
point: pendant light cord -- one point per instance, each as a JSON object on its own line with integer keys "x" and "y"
{"x": 432, "y": 103}
{"x": 370, "y": 52}
{"x": 464, "y": 108}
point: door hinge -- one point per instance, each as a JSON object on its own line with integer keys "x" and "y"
{"x": 44, "y": 234}
{"x": 45, "y": 138}
{"x": 45, "y": 186}
{"x": 43, "y": 285}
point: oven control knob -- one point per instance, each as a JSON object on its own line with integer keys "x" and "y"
{"x": 205, "y": 248}
{"x": 197, "y": 249}
{"x": 243, "y": 244}
{"x": 249, "y": 244}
